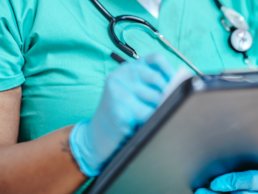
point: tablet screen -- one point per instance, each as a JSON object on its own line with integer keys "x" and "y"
{"x": 210, "y": 134}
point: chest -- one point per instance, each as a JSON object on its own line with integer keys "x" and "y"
{"x": 67, "y": 54}
{"x": 192, "y": 27}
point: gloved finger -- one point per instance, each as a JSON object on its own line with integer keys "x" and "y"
{"x": 131, "y": 75}
{"x": 148, "y": 95}
{"x": 245, "y": 192}
{"x": 145, "y": 93}
{"x": 204, "y": 191}
{"x": 142, "y": 112}
{"x": 247, "y": 181}
{"x": 140, "y": 116}
{"x": 152, "y": 78}
{"x": 130, "y": 110}
{"x": 159, "y": 63}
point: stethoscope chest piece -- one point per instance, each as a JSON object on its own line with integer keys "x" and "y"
{"x": 241, "y": 40}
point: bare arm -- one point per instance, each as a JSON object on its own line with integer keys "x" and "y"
{"x": 40, "y": 166}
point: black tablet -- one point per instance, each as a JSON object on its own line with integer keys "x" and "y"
{"x": 207, "y": 126}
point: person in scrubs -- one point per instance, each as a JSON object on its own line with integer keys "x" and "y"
{"x": 67, "y": 105}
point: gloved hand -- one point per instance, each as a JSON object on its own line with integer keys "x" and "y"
{"x": 131, "y": 95}
{"x": 236, "y": 183}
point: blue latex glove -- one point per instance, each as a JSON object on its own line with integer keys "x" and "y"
{"x": 236, "y": 183}
{"x": 131, "y": 95}
{"x": 204, "y": 191}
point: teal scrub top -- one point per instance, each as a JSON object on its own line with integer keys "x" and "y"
{"x": 59, "y": 51}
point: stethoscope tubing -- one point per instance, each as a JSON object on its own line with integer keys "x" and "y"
{"x": 113, "y": 21}
{"x": 103, "y": 10}
{"x": 218, "y": 4}
{"x": 129, "y": 18}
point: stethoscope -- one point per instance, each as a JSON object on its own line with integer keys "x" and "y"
{"x": 240, "y": 39}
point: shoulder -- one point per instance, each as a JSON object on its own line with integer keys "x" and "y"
{"x": 28, "y": 12}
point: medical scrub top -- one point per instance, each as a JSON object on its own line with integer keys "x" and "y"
{"x": 59, "y": 51}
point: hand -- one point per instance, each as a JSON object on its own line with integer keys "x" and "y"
{"x": 205, "y": 191}
{"x": 236, "y": 183}
{"x": 131, "y": 95}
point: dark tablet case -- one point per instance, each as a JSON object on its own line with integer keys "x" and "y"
{"x": 204, "y": 129}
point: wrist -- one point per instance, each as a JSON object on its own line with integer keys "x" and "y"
{"x": 82, "y": 150}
